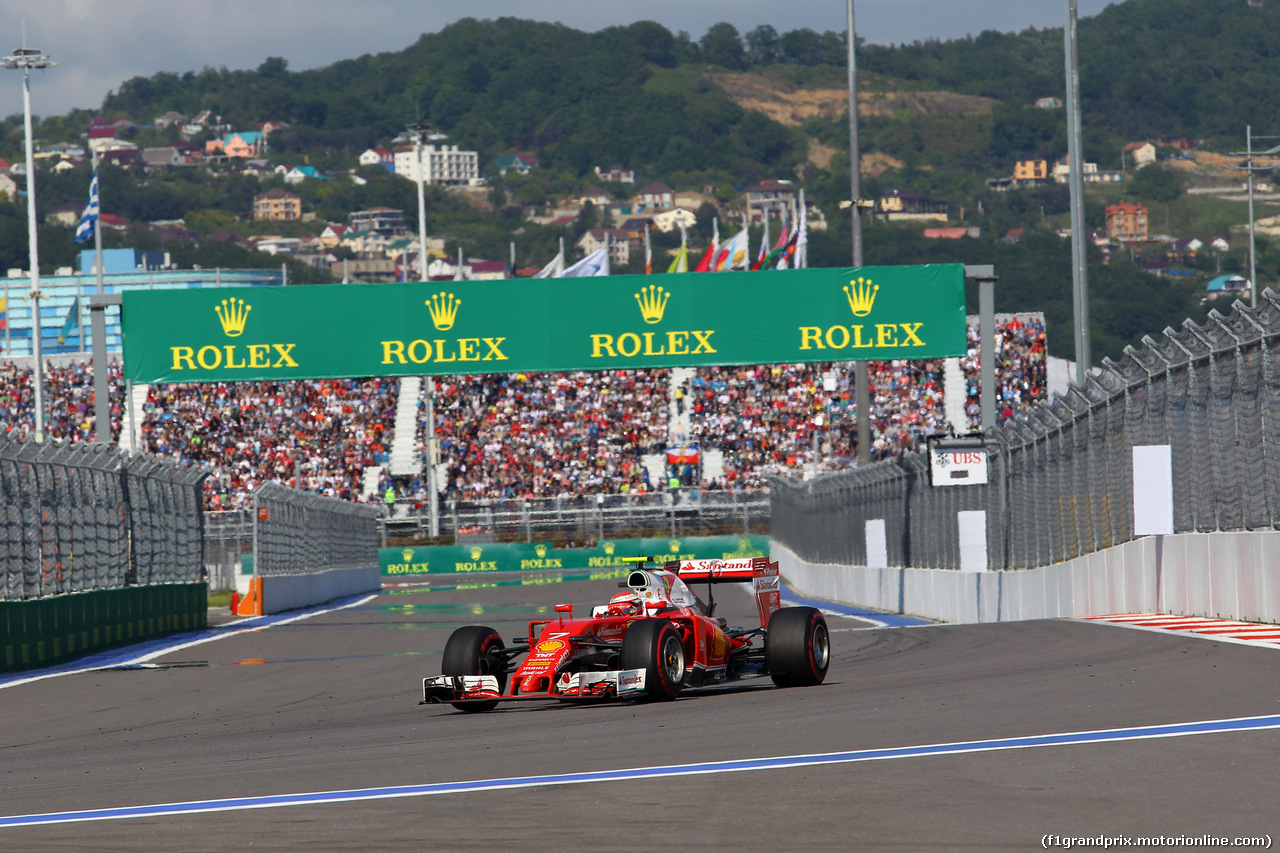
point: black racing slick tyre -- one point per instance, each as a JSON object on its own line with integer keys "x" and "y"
{"x": 476, "y": 650}
{"x": 654, "y": 645}
{"x": 797, "y": 648}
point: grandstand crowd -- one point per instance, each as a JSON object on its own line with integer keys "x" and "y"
{"x": 532, "y": 435}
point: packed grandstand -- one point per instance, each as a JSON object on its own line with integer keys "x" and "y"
{"x": 532, "y": 435}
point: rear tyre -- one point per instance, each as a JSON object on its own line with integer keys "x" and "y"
{"x": 476, "y": 650}
{"x": 797, "y": 648}
{"x": 654, "y": 645}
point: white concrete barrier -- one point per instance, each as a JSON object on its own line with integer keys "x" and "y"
{"x": 292, "y": 592}
{"x": 1229, "y": 575}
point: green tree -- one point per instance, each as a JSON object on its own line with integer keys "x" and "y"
{"x": 1156, "y": 183}
{"x": 723, "y": 46}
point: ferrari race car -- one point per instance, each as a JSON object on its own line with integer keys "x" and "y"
{"x": 648, "y": 642}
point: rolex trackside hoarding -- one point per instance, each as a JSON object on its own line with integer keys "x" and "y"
{"x": 523, "y": 557}
{"x": 437, "y": 328}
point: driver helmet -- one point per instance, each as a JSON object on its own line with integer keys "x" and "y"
{"x": 625, "y": 604}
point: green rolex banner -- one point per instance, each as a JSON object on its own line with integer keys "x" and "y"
{"x": 440, "y": 328}
{"x": 523, "y": 557}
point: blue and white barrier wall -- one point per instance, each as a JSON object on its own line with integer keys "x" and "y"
{"x": 1225, "y": 575}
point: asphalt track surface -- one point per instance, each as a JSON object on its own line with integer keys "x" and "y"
{"x": 328, "y": 703}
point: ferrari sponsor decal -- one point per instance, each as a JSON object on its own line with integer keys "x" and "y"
{"x": 547, "y": 647}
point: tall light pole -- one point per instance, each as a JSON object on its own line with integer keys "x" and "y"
{"x": 1250, "y": 168}
{"x": 861, "y": 369}
{"x": 417, "y": 132}
{"x": 1075, "y": 176}
{"x": 27, "y": 58}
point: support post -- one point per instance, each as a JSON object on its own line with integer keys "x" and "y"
{"x": 101, "y": 385}
{"x": 861, "y": 369}
{"x": 1075, "y": 163}
{"x": 985, "y": 276}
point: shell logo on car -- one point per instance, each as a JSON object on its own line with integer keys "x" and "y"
{"x": 547, "y": 647}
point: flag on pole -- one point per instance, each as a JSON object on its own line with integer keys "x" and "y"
{"x": 764, "y": 244}
{"x": 648, "y": 252}
{"x": 4, "y": 311}
{"x": 802, "y": 236}
{"x": 681, "y": 261}
{"x": 709, "y": 256}
{"x": 89, "y": 219}
{"x": 554, "y": 269}
{"x": 733, "y": 254}
{"x": 73, "y": 320}
{"x": 594, "y": 264}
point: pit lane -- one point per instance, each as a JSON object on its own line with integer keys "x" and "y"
{"x": 328, "y": 703}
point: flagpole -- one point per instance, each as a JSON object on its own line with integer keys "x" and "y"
{"x": 101, "y": 381}
{"x": 97, "y": 231}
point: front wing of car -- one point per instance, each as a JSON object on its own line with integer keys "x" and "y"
{"x": 578, "y": 685}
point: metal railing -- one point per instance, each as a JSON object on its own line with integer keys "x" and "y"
{"x": 82, "y": 517}
{"x": 1060, "y": 480}
{"x": 594, "y": 517}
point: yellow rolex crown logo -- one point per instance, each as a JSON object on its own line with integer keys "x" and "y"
{"x": 232, "y": 313}
{"x": 861, "y": 293}
{"x": 652, "y": 301}
{"x": 675, "y": 545}
{"x": 540, "y": 550}
{"x": 444, "y": 310}
{"x": 476, "y": 552}
{"x": 407, "y": 553}
{"x": 610, "y": 547}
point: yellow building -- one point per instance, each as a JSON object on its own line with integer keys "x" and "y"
{"x": 1031, "y": 170}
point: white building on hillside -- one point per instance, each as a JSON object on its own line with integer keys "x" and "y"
{"x": 444, "y": 165}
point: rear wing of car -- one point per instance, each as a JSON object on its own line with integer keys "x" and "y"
{"x": 760, "y": 572}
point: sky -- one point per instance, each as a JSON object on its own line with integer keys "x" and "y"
{"x": 99, "y": 44}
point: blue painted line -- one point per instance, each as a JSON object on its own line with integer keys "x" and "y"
{"x": 1244, "y": 724}
{"x": 150, "y": 648}
{"x": 889, "y": 620}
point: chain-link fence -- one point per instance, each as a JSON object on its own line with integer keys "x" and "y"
{"x": 84, "y": 516}
{"x": 228, "y": 536}
{"x": 302, "y": 533}
{"x": 1060, "y": 478}
{"x": 588, "y": 518}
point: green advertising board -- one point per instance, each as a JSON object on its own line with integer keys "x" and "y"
{"x": 419, "y": 329}
{"x": 534, "y": 556}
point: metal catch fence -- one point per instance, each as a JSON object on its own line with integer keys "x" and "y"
{"x": 228, "y": 536}
{"x": 77, "y": 517}
{"x": 593, "y": 517}
{"x": 1060, "y": 477}
{"x": 302, "y": 533}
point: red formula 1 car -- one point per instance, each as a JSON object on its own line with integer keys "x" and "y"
{"x": 649, "y": 642}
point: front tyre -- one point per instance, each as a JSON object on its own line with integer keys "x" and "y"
{"x": 797, "y": 647}
{"x": 476, "y": 650}
{"x": 655, "y": 646}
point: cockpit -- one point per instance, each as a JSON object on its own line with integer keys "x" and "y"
{"x": 650, "y": 587}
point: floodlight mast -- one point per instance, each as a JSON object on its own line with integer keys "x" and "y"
{"x": 1249, "y": 154}
{"x": 26, "y": 58}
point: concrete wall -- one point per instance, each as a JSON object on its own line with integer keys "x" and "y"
{"x": 291, "y": 592}
{"x": 1225, "y": 575}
